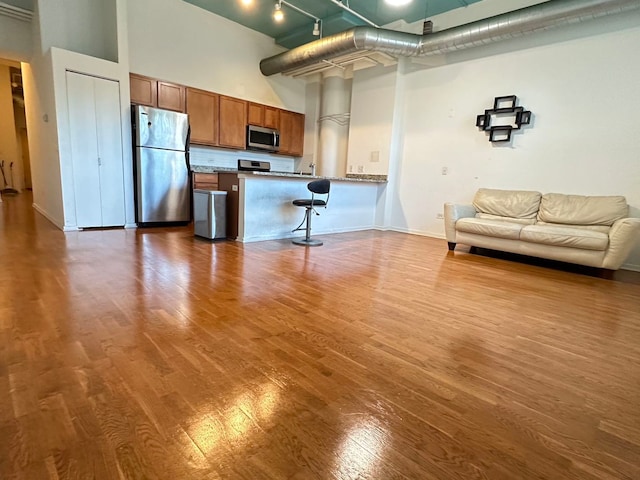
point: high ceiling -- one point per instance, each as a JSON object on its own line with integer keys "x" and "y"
{"x": 296, "y": 28}
{"x": 25, "y": 4}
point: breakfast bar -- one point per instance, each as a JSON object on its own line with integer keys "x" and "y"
{"x": 259, "y": 205}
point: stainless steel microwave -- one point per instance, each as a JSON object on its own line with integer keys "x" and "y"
{"x": 260, "y": 138}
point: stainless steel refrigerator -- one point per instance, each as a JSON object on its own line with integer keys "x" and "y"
{"x": 161, "y": 166}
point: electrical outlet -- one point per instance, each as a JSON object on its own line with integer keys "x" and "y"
{"x": 360, "y": 168}
{"x": 375, "y": 156}
{"x": 445, "y": 170}
{"x": 440, "y": 216}
{"x": 350, "y": 168}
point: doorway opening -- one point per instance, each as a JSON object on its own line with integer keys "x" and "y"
{"x": 15, "y": 165}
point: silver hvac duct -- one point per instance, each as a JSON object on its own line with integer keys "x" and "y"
{"x": 501, "y": 27}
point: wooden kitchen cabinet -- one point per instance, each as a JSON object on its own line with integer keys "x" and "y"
{"x": 233, "y": 122}
{"x": 263, "y": 115}
{"x": 255, "y": 114}
{"x": 291, "y": 133}
{"x": 143, "y": 90}
{"x": 202, "y": 108}
{"x": 228, "y": 182}
{"x": 271, "y": 117}
{"x": 171, "y": 96}
{"x": 205, "y": 181}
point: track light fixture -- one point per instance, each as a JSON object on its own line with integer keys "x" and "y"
{"x": 398, "y": 3}
{"x": 278, "y": 14}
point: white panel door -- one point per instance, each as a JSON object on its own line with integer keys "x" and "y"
{"x": 84, "y": 150}
{"x": 96, "y": 150}
{"x": 108, "y": 122}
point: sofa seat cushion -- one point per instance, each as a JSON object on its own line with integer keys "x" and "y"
{"x": 581, "y": 210}
{"x": 507, "y": 203}
{"x": 565, "y": 237}
{"x": 595, "y": 228}
{"x": 489, "y": 227}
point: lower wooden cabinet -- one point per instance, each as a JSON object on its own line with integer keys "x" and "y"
{"x": 205, "y": 181}
{"x": 228, "y": 182}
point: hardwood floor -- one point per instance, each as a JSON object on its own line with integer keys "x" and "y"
{"x": 152, "y": 354}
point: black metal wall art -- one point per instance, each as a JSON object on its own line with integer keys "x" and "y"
{"x": 503, "y": 118}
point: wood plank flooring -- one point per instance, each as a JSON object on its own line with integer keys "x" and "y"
{"x": 152, "y": 354}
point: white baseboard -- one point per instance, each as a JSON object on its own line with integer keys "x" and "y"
{"x": 46, "y": 215}
{"x": 280, "y": 236}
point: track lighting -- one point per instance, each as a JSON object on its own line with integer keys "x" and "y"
{"x": 278, "y": 14}
{"x": 316, "y": 29}
{"x": 398, "y": 3}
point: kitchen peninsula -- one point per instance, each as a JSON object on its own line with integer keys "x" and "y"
{"x": 259, "y": 203}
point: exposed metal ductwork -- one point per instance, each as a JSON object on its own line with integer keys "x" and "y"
{"x": 501, "y": 27}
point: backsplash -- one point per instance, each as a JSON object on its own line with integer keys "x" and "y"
{"x": 214, "y": 157}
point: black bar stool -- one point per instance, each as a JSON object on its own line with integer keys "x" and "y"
{"x": 317, "y": 187}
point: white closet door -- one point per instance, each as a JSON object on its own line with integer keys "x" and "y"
{"x": 84, "y": 150}
{"x": 96, "y": 150}
{"x": 108, "y": 121}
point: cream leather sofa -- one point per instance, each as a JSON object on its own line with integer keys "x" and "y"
{"x": 591, "y": 231}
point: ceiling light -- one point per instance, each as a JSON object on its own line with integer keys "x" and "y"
{"x": 398, "y": 3}
{"x": 278, "y": 14}
{"x": 316, "y": 28}
{"x": 247, "y": 3}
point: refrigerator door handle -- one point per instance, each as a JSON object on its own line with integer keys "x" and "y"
{"x": 186, "y": 149}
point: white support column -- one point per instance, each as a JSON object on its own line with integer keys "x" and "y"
{"x": 335, "y": 111}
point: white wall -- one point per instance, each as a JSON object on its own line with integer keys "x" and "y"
{"x": 37, "y": 78}
{"x": 372, "y": 107}
{"x": 46, "y": 103}
{"x": 80, "y": 26}
{"x": 15, "y": 39}
{"x": 179, "y": 42}
{"x": 582, "y": 85}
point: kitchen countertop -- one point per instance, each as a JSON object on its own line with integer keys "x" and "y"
{"x": 350, "y": 178}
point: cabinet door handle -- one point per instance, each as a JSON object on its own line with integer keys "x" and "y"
{"x": 99, "y": 161}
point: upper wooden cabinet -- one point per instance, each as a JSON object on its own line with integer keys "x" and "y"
{"x": 202, "y": 108}
{"x": 271, "y": 117}
{"x": 144, "y": 90}
{"x": 263, "y": 115}
{"x": 233, "y": 122}
{"x": 156, "y": 93}
{"x": 255, "y": 114}
{"x": 291, "y": 133}
{"x": 217, "y": 120}
{"x": 171, "y": 96}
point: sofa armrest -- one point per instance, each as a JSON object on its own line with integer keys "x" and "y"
{"x": 623, "y": 235}
{"x": 452, "y": 213}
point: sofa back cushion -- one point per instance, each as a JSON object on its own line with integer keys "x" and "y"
{"x": 581, "y": 210}
{"x": 507, "y": 203}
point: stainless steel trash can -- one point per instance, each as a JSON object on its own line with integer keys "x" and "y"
{"x": 210, "y": 213}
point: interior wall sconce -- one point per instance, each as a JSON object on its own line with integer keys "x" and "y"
{"x": 503, "y": 118}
